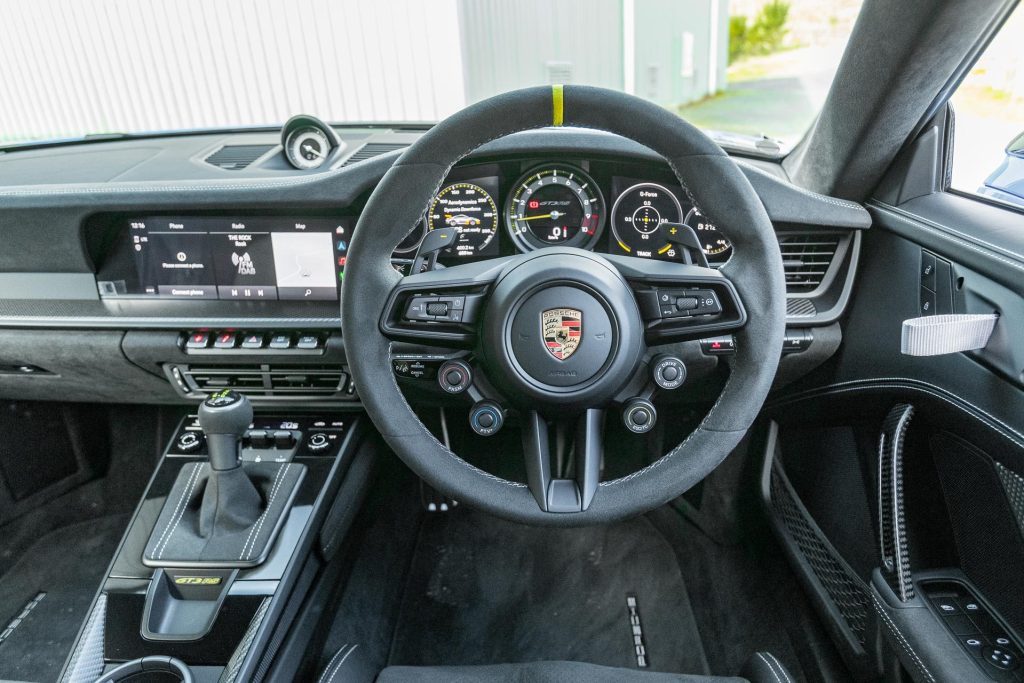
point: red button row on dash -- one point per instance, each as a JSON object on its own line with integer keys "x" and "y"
{"x": 258, "y": 340}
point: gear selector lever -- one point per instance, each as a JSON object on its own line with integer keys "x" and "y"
{"x": 224, "y": 417}
{"x": 223, "y": 513}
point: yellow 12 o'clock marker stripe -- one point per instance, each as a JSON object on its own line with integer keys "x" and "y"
{"x": 557, "y": 103}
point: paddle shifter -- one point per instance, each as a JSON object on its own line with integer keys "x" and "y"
{"x": 224, "y": 417}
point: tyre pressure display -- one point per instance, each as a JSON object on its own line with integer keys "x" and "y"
{"x": 470, "y": 209}
{"x": 637, "y": 217}
{"x": 555, "y": 206}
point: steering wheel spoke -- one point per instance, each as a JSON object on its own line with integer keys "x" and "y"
{"x": 557, "y": 494}
{"x": 440, "y": 307}
{"x": 679, "y": 302}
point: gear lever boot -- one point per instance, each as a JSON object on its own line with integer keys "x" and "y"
{"x": 223, "y": 513}
{"x": 230, "y": 500}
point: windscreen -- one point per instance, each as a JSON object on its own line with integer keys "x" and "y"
{"x": 746, "y": 68}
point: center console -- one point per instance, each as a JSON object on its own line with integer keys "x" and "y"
{"x": 215, "y": 549}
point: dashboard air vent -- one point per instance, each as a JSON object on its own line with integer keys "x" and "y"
{"x": 262, "y": 381}
{"x": 806, "y": 258}
{"x": 237, "y": 157}
{"x": 372, "y": 149}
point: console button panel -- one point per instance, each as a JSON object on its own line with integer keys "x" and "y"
{"x": 273, "y": 437}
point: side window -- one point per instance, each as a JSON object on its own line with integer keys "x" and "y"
{"x": 988, "y": 143}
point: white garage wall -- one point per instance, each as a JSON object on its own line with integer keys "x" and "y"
{"x": 72, "y": 67}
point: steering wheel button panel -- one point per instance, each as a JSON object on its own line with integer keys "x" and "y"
{"x": 417, "y": 308}
{"x": 680, "y": 303}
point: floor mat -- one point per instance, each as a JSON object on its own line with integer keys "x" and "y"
{"x": 482, "y": 590}
{"x": 67, "y": 565}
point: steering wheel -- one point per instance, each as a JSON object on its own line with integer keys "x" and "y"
{"x": 616, "y": 301}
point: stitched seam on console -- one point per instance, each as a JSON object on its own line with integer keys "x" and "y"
{"x": 782, "y": 669}
{"x": 899, "y": 635}
{"x": 330, "y": 664}
{"x": 770, "y": 668}
{"x": 908, "y": 383}
{"x": 167, "y": 527}
{"x": 252, "y": 529}
{"x": 181, "y": 513}
{"x": 186, "y": 494}
{"x": 928, "y": 223}
{"x": 342, "y": 662}
{"x": 957, "y": 237}
{"x": 796, "y": 188}
{"x": 254, "y": 533}
{"x": 270, "y": 506}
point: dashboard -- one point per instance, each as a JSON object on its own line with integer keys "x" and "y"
{"x": 496, "y": 208}
{"x": 147, "y": 269}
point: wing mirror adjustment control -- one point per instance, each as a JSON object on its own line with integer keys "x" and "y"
{"x": 486, "y": 418}
{"x": 639, "y": 415}
{"x": 455, "y": 376}
{"x": 668, "y": 372}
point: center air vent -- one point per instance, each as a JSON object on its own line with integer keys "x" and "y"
{"x": 237, "y": 157}
{"x": 806, "y": 258}
{"x": 261, "y": 381}
{"x": 372, "y": 149}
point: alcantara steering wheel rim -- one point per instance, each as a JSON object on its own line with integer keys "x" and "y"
{"x": 717, "y": 186}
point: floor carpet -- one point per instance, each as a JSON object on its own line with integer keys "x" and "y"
{"x": 67, "y": 565}
{"x": 483, "y": 590}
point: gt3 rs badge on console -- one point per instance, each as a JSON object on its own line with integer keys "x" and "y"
{"x": 562, "y": 330}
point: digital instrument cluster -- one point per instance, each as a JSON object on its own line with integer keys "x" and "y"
{"x": 559, "y": 204}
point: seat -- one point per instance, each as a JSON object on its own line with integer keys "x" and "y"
{"x": 348, "y": 666}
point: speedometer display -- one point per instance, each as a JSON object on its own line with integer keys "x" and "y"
{"x": 471, "y": 210}
{"x": 637, "y": 216}
{"x": 555, "y": 205}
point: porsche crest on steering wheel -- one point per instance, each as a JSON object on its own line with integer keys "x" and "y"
{"x": 562, "y": 328}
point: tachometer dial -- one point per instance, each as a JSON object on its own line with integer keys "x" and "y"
{"x": 555, "y": 205}
{"x": 716, "y": 246}
{"x": 637, "y": 216}
{"x": 471, "y": 210}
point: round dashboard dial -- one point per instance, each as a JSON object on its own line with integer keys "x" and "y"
{"x": 307, "y": 147}
{"x": 715, "y": 245}
{"x": 471, "y": 210}
{"x": 638, "y": 215}
{"x": 555, "y": 205}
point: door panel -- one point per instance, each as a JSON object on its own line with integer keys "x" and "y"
{"x": 960, "y": 513}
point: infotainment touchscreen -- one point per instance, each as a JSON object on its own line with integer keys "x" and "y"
{"x": 257, "y": 258}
